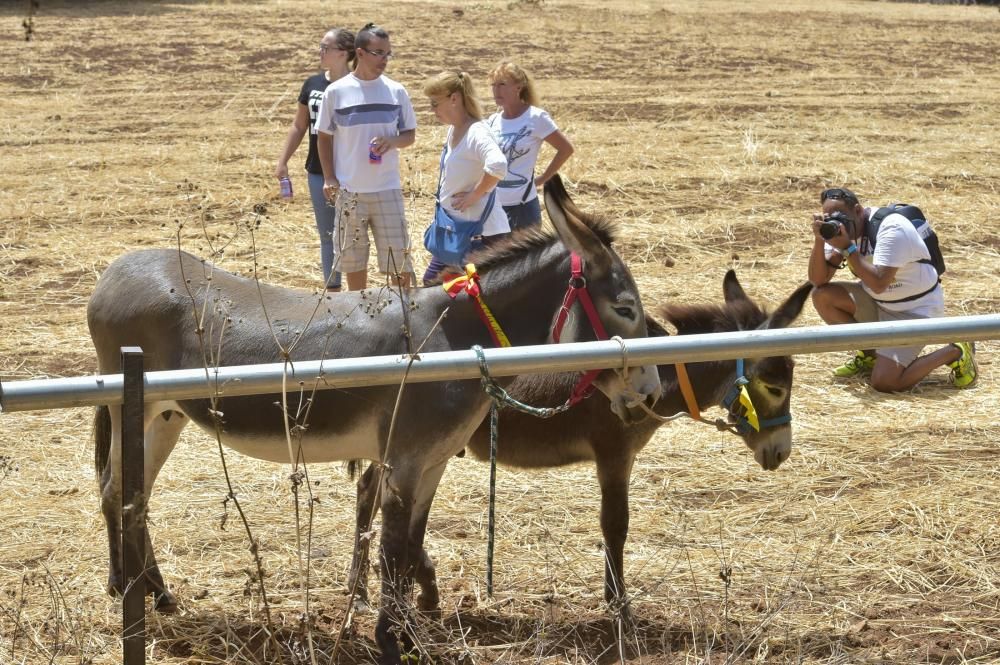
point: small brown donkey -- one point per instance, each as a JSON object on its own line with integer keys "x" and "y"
{"x": 589, "y": 433}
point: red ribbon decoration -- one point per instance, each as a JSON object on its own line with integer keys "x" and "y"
{"x": 469, "y": 283}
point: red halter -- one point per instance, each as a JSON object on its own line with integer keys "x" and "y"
{"x": 577, "y": 289}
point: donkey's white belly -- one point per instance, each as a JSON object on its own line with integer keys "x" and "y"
{"x": 359, "y": 442}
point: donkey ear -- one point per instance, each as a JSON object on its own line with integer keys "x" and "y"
{"x": 790, "y": 309}
{"x": 731, "y": 288}
{"x": 573, "y": 232}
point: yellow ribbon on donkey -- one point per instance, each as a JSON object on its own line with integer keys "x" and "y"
{"x": 469, "y": 282}
{"x": 751, "y": 412}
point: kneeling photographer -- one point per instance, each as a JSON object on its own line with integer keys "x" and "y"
{"x": 889, "y": 251}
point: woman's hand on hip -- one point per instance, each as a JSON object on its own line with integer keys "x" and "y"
{"x": 464, "y": 200}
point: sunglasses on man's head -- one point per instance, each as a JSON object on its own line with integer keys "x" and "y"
{"x": 839, "y": 194}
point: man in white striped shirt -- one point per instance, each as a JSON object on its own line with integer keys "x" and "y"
{"x": 364, "y": 119}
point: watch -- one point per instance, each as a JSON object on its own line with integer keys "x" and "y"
{"x": 850, "y": 249}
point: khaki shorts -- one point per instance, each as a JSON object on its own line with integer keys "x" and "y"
{"x": 382, "y": 212}
{"x": 868, "y": 311}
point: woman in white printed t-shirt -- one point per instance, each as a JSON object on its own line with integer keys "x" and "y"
{"x": 521, "y": 127}
{"x": 472, "y": 163}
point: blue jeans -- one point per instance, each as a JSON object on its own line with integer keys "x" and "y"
{"x": 434, "y": 269}
{"x": 524, "y": 214}
{"x": 325, "y": 215}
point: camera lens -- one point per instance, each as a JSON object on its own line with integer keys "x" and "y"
{"x": 829, "y": 228}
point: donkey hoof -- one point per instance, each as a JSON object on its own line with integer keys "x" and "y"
{"x": 429, "y": 605}
{"x": 116, "y": 587}
{"x": 621, "y": 609}
{"x": 165, "y": 603}
{"x": 361, "y": 606}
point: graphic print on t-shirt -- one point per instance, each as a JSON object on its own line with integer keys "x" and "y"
{"x": 315, "y": 97}
{"x": 511, "y": 150}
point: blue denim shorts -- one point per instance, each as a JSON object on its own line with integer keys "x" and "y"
{"x": 524, "y": 214}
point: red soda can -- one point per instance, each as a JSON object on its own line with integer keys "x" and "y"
{"x": 286, "y": 187}
{"x": 373, "y": 157}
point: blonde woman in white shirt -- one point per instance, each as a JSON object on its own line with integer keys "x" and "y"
{"x": 520, "y": 127}
{"x": 472, "y": 162}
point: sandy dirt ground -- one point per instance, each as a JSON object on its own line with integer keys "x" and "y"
{"x": 706, "y": 130}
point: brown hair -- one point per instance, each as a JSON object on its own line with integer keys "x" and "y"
{"x": 344, "y": 39}
{"x": 366, "y": 33}
{"x": 509, "y": 71}
{"x": 446, "y": 83}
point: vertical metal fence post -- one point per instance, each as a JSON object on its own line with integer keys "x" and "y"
{"x": 133, "y": 510}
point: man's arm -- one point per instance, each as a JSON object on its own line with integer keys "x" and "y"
{"x": 405, "y": 137}
{"x": 875, "y": 277}
{"x": 324, "y": 144}
{"x": 382, "y": 144}
{"x": 821, "y": 271}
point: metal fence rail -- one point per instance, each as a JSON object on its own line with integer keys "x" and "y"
{"x": 133, "y": 387}
{"x": 386, "y": 370}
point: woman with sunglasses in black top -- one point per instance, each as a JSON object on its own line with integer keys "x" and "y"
{"x": 336, "y": 58}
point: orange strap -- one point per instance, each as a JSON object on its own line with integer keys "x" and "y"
{"x": 687, "y": 391}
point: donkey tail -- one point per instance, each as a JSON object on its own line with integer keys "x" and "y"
{"x": 102, "y": 438}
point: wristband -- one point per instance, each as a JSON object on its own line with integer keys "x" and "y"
{"x": 850, "y": 249}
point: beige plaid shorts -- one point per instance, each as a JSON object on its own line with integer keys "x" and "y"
{"x": 382, "y": 212}
{"x": 868, "y": 311}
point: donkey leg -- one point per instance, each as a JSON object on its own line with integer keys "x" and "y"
{"x": 162, "y": 432}
{"x": 107, "y": 429}
{"x": 160, "y": 437}
{"x": 429, "y": 599}
{"x": 368, "y": 495}
{"x": 405, "y": 504}
{"x": 613, "y": 476}
{"x": 397, "y": 507}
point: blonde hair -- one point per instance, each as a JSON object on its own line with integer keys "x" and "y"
{"x": 447, "y": 83}
{"x": 509, "y": 71}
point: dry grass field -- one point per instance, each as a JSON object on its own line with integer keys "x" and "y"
{"x": 706, "y": 129}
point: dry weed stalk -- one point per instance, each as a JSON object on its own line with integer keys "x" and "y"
{"x": 211, "y": 342}
{"x": 295, "y": 421}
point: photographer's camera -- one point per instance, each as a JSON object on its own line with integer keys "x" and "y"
{"x": 832, "y": 223}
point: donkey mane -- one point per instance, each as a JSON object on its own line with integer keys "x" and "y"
{"x": 535, "y": 238}
{"x": 696, "y": 319}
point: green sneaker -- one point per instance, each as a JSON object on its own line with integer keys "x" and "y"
{"x": 964, "y": 371}
{"x": 860, "y": 363}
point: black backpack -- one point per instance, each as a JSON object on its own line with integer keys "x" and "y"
{"x": 919, "y": 222}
